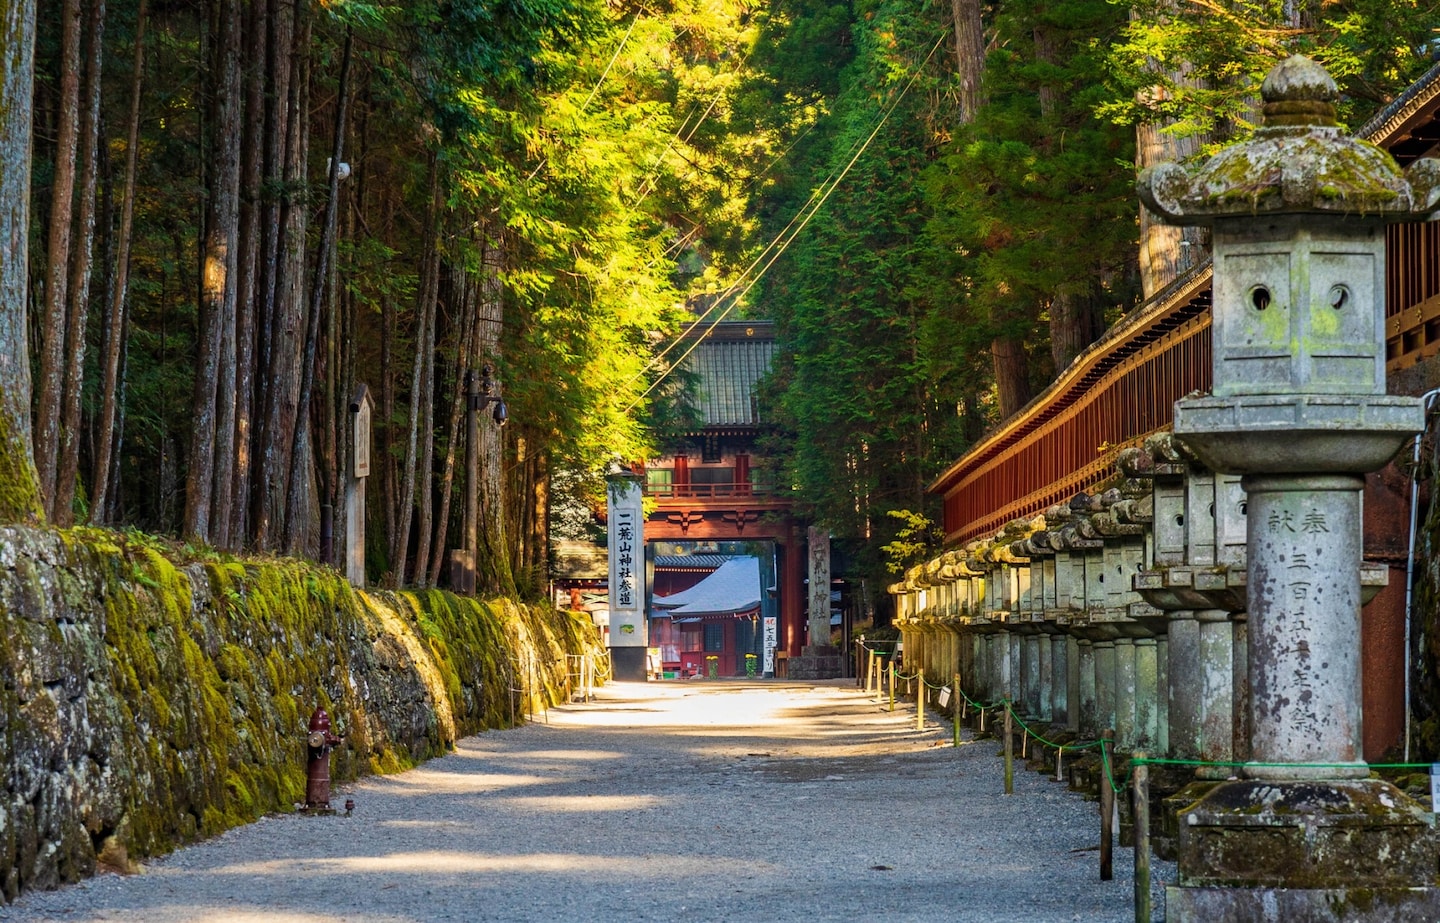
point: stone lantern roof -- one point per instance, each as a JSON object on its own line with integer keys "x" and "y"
{"x": 1298, "y": 162}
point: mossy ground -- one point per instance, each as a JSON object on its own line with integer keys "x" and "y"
{"x": 149, "y": 699}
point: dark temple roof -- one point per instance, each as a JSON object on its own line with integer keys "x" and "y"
{"x": 731, "y": 358}
{"x": 1409, "y": 128}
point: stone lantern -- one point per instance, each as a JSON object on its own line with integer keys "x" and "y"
{"x": 1299, "y": 409}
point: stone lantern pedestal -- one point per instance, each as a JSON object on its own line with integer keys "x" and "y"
{"x": 1299, "y": 410}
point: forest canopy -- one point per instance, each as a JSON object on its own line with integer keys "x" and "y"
{"x": 239, "y": 211}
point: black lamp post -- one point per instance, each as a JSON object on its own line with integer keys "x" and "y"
{"x": 485, "y": 395}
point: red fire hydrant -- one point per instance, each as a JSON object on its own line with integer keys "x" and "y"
{"x": 317, "y": 777}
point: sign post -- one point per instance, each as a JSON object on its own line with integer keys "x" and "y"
{"x": 627, "y": 571}
{"x": 360, "y": 407}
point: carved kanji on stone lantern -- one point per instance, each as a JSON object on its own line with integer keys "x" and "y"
{"x": 1299, "y": 408}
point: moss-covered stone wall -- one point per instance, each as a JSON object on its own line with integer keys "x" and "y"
{"x": 148, "y": 701}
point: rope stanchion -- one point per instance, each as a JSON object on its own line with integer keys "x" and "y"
{"x": 1107, "y": 810}
{"x": 957, "y": 713}
{"x": 1141, "y": 808}
{"x": 1136, "y": 776}
{"x": 1009, "y": 753}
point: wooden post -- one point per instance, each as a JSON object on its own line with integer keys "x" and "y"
{"x": 1009, "y": 752}
{"x": 1107, "y": 806}
{"x": 892, "y": 683}
{"x": 920, "y": 703}
{"x": 956, "y": 711}
{"x": 1142, "y": 837}
{"x": 510, "y": 691}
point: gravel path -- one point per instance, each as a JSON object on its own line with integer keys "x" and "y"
{"x": 700, "y": 801}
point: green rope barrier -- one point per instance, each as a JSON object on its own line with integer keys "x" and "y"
{"x": 1105, "y": 758}
{"x": 1049, "y": 743}
{"x": 1159, "y": 761}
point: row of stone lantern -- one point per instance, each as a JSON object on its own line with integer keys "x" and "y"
{"x": 1124, "y": 609}
{"x": 1215, "y": 616}
{"x": 1071, "y": 614}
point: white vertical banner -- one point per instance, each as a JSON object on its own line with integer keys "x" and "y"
{"x": 627, "y": 561}
{"x": 771, "y": 636}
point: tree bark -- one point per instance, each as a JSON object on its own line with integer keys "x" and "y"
{"x": 540, "y": 519}
{"x": 1071, "y": 327}
{"x": 430, "y": 269}
{"x": 106, "y": 435}
{"x": 464, "y": 359}
{"x": 229, "y": 128}
{"x": 52, "y": 328}
{"x": 969, "y": 56}
{"x": 284, "y": 262}
{"x": 78, "y": 301}
{"x": 217, "y": 304}
{"x": 247, "y": 269}
{"x": 426, "y": 463}
{"x": 296, "y": 524}
{"x": 493, "y": 573}
{"x": 1166, "y": 252}
{"x": 19, "y": 483}
{"x": 1012, "y": 375}
{"x": 388, "y": 478}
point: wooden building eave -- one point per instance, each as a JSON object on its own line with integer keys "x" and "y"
{"x": 1183, "y": 299}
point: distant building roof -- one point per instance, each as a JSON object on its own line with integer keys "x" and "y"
{"x": 731, "y": 590}
{"x": 730, "y": 359}
{"x": 690, "y": 561}
{"x": 1409, "y": 128}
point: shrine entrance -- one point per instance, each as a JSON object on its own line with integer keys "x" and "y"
{"x": 713, "y": 608}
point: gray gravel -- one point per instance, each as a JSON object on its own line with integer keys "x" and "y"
{"x": 699, "y": 801}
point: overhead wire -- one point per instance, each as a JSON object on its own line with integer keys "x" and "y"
{"x": 828, "y": 191}
{"x": 728, "y": 291}
{"x": 596, "y": 88}
{"x": 655, "y": 168}
{"x": 690, "y": 235}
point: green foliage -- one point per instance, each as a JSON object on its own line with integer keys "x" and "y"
{"x": 866, "y": 421}
{"x": 1034, "y": 200}
{"x": 1199, "y": 66}
{"x": 916, "y": 540}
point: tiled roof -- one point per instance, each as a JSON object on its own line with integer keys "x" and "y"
{"x": 734, "y": 588}
{"x": 1408, "y": 128}
{"x": 691, "y": 561}
{"x": 732, "y": 358}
